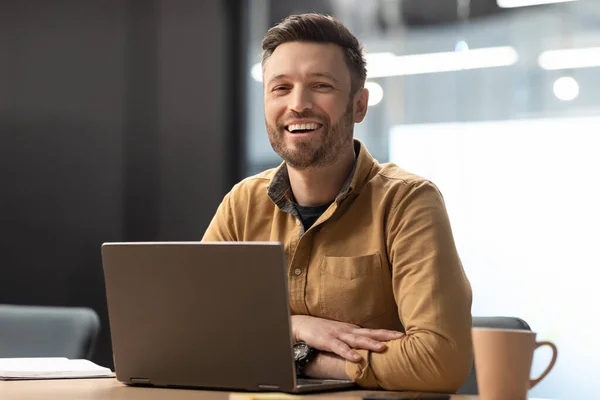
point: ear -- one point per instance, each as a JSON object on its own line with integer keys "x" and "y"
{"x": 361, "y": 103}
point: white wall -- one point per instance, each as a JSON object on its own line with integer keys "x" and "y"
{"x": 524, "y": 201}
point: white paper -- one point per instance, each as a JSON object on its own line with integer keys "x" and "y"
{"x": 50, "y": 368}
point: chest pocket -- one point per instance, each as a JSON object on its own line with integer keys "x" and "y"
{"x": 351, "y": 288}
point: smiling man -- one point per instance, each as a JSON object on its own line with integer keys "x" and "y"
{"x": 377, "y": 290}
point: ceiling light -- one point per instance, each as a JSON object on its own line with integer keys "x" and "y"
{"x": 443, "y": 62}
{"x": 526, "y": 3}
{"x": 570, "y": 58}
{"x": 566, "y": 88}
{"x": 375, "y": 93}
{"x": 256, "y": 72}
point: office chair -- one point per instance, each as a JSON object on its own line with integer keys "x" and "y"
{"x": 470, "y": 385}
{"x": 41, "y": 331}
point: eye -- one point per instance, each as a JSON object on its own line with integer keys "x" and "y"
{"x": 323, "y": 87}
{"x": 280, "y": 89}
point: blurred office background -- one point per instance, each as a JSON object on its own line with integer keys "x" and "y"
{"x": 129, "y": 120}
{"x": 119, "y": 121}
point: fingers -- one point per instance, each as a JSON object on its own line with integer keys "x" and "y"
{"x": 382, "y": 335}
{"x": 343, "y": 350}
{"x": 357, "y": 341}
{"x": 341, "y": 338}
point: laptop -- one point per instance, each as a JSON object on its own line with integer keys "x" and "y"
{"x": 203, "y": 315}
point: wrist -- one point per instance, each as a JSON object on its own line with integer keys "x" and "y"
{"x": 295, "y": 321}
{"x": 327, "y": 366}
{"x": 303, "y": 356}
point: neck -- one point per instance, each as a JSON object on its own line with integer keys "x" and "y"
{"x": 320, "y": 185}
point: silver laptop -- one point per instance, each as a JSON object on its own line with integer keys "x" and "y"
{"x": 202, "y": 315}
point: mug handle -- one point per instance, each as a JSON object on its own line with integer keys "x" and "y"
{"x": 534, "y": 382}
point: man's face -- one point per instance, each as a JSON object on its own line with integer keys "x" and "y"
{"x": 309, "y": 110}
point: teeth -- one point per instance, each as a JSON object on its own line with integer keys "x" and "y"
{"x": 297, "y": 127}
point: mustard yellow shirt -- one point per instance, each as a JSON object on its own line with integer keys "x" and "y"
{"x": 381, "y": 256}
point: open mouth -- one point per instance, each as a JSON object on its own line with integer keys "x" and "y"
{"x": 303, "y": 128}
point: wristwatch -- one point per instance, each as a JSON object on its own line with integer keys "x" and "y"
{"x": 303, "y": 354}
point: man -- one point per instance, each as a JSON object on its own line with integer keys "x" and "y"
{"x": 376, "y": 286}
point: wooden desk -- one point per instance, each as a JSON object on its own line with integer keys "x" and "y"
{"x": 110, "y": 389}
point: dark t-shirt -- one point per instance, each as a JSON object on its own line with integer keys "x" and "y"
{"x": 310, "y": 215}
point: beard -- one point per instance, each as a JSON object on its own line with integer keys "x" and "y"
{"x": 318, "y": 150}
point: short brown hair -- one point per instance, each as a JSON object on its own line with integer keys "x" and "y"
{"x": 319, "y": 28}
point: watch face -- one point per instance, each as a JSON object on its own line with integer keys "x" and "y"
{"x": 300, "y": 350}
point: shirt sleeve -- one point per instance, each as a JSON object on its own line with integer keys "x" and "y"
{"x": 222, "y": 227}
{"x": 433, "y": 296}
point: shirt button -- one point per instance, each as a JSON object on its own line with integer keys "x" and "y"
{"x": 298, "y": 271}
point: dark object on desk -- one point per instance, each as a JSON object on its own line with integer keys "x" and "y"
{"x": 203, "y": 315}
{"x": 41, "y": 331}
{"x": 406, "y": 396}
{"x": 470, "y": 385}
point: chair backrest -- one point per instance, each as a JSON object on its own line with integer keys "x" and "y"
{"x": 470, "y": 385}
{"x": 40, "y": 331}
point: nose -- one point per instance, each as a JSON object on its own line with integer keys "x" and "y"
{"x": 300, "y": 100}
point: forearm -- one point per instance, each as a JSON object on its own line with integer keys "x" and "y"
{"x": 420, "y": 362}
{"x": 436, "y": 353}
{"x": 326, "y": 366}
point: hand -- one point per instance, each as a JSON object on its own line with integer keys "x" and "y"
{"x": 340, "y": 337}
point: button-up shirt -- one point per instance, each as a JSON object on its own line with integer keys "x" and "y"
{"x": 381, "y": 256}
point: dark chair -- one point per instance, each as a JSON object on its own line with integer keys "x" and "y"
{"x": 470, "y": 385}
{"x": 39, "y": 331}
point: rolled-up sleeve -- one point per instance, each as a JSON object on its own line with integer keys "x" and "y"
{"x": 433, "y": 296}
